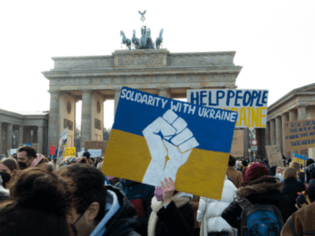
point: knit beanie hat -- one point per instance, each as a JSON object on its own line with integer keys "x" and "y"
{"x": 255, "y": 171}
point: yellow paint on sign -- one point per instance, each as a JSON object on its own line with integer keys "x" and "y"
{"x": 203, "y": 168}
{"x": 298, "y": 160}
{"x": 69, "y": 151}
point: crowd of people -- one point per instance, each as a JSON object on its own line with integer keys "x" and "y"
{"x": 38, "y": 197}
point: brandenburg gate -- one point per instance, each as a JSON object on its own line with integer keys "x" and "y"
{"x": 147, "y": 67}
{"x": 95, "y": 79}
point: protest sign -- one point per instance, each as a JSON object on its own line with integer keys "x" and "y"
{"x": 299, "y": 135}
{"x": 95, "y": 152}
{"x": 12, "y": 151}
{"x": 274, "y": 155}
{"x": 237, "y": 149}
{"x": 80, "y": 154}
{"x": 96, "y": 145}
{"x": 155, "y": 138}
{"x": 251, "y": 105}
{"x": 69, "y": 151}
{"x": 62, "y": 145}
{"x": 299, "y": 158}
{"x": 52, "y": 150}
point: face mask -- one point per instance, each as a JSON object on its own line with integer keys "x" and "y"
{"x": 5, "y": 178}
{"x": 158, "y": 193}
{"x": 22, "y": 165}
{"x": 279, "y": 176}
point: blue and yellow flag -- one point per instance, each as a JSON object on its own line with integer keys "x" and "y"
{"x": 299, "y": 158}
{"x": 155, "y": 137}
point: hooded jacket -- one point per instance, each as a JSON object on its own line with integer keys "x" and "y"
{"x": 120, "y": 216}
{"x": 177, "y": 218}
{"x": 265, "y": 190}
{"x": 140, "y": 195}
{"x": 210, "y": 210}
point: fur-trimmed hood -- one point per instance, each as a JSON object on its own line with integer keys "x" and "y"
{"x": 262, "y": 185}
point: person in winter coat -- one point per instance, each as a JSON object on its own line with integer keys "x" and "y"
{"x": 245, "y": 166}
{"x": 140, "y": 196}
{"x": 291, "y": 187}
{"x": 96, "y": 209}
{"x": 301, "y": 222}
{"x": 173, "y": 215}
{"x": 210, "y": 210}
{"x": 28, "y": 158}
{"x": 8, "y": 171}
{"x": 297, "y": 166}
{"x": 259, "y": 188}
{"x": 235, "y": 175}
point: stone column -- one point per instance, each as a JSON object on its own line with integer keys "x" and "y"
{"x": 9, "y": 136}
{"x": 246, "y": 143}
{"x": 53, "y": 123}
{"x": 40, "y": 136}
{"x": 20, "y": 135}
{"x": 117, "y": 95}
{"x": 1, "y": 139}
{"x": 302, "y": 113}
{"x": 165, "y": 93}
{"x": 86, "y": 117}
{"x": 292, "y": 117}
{"x": 284, "y": 119}
{"x": 301, "y": 116}
{"x": 272, "y": 132}
{"x": 267, "y": 140}
{"x": 278, "y": 132}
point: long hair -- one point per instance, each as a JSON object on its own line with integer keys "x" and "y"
{"x": 39, "y": 206}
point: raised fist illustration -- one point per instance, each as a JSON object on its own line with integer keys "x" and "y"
{"x": 170, "y": 143}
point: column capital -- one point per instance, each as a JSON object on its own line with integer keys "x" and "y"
{"x": 163, "y": 89}
{"x": 57, "y": 92}
{"x": 86, "y": 91}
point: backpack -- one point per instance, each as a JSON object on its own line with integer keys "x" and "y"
{"x": 259, "y": 220}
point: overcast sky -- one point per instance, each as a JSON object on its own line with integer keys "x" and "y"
{"x": 274, "y": 40}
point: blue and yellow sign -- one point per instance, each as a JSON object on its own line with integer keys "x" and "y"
{"x": 155, "y": 137}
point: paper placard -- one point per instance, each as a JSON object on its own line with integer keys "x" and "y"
{"x": 96, "y": 145}
{"x": 95, "y": 152}
{"x": 250, "y": 104}
{"x": 299, "y": 135}
{"x": 154, "y": 138}
{"x": 274, "y": 155}
{"x": 69, "y": 151}
{"x": 237, "y": 149}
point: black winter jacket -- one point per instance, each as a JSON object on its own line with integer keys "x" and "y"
{"x": 291, "y": 188}
{"x": 175, "y": 221}
{"x": 266, "y": 190}
{"x": 123, "y": 223}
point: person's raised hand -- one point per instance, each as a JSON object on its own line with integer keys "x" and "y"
{"x": 168, "y": 190}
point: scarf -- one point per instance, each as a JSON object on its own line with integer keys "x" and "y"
{"x": 37, "y": 160}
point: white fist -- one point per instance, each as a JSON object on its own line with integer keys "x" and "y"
{"x": 167, "y": 136}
